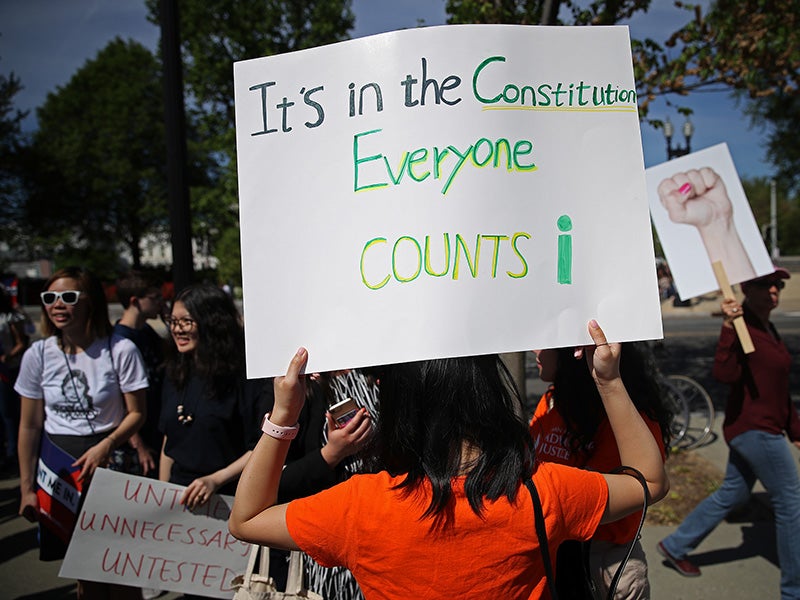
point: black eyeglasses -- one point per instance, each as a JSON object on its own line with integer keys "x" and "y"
{"x": 768, "y": 283}
{"x": 68, "y": 297}
{"x": 182, "y": 324}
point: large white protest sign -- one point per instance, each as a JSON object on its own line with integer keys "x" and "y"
{"x": 442, "y": 191}
{"x": 132, "y": 531}
{"x": 701, "y": 215}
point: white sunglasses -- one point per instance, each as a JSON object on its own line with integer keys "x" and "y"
{"x": 68, "y": 297}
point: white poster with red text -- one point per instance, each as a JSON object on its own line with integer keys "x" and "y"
{"x": 134, "y": 531}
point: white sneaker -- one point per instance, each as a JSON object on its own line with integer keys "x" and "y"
{"x": 150, "y": 593}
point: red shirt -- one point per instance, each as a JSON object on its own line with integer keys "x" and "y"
{"x": 548, "y": 430}
{"x": 377, "y": 532}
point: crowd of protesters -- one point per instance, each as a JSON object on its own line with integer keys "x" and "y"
{"x": 437, "y": 456}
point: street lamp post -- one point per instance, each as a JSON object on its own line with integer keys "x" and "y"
{"x": 669, "y": 130}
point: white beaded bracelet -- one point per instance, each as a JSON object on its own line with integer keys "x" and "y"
{"x": 278, "y": 432}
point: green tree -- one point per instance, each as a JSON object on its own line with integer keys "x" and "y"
{"x": 98, "y": 176}
{"x": 750, "y": 48}
{"x": 747, "y": 45}
{"x": 12, "y": 150}
{"x": 214, "y": 35}
{"x": 779, "y": 115}
{"x": 536, "y": 12}
{"x": 759, "y": 192}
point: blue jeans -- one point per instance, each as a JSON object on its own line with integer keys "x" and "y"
{"x": 753, "y": 455}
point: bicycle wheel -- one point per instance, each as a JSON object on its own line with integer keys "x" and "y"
{"x": 700, "y": 408}
{"x": 679, "y": 408}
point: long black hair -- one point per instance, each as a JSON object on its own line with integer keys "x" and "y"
{"x": 219, "y": 356}
{"x": 431, "y": 411}
{"x": 577, "y": 400}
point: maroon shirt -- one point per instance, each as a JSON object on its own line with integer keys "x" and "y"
{"x": 759, "y": 382}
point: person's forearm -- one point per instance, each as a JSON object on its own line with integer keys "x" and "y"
{"x": 254, "y": 516}
{"x": 28, "y": 452}
{"x": 135, "y": 441}
{"x": 232, "y": 471}
{"x": 258, "y": 485}
{"x": 722, "y": 243}
{"x": 637, "y": 446}
{"x": 127, "y": 427}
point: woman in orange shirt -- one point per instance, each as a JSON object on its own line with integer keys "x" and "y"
{"x": 570, "y": 427}
{"x": 445, "y": 513}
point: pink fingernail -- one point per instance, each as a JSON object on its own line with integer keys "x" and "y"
{"x": 685, "y": 188}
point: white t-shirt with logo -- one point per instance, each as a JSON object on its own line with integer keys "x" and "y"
{"x": 82, "y": 392}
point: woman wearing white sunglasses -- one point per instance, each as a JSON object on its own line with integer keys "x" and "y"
{"x": 83, "y": 391}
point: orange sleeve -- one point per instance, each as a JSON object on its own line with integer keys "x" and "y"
{"x": 605, "y": 459}
{"x": 315, "y": 523}
{"x": 576, "y": 499}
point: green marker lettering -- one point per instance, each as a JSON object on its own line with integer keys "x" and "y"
{"x": 514, "y": 238}
{"x": 368, "y": 245}
{"x": 564, "y": 250}
{"x": 428, "y": 269}
{"x": 394, "y": 262}
{"x": 357, "y": 161}
{"x": 473, "y": 266}
{"x": 497, "y": 239}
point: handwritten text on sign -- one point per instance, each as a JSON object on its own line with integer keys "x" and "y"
{"x": 133, "y": 531}
{"x": 402, "y": 184}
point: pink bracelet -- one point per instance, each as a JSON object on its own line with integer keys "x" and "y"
{"x": 278, "y": 432}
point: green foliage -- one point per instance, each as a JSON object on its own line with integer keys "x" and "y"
{"x": 12, "y": 151}
{"x": 748, "y": 47}
{"x": 536, "y": 12}
{"x": 217, "y": 33}
{"x": 519, "y": 12}
{"x": 779, "y": 114}
{"x": 758, "y": 192}
{"x": 97, "y": 177}
{"x": 214, "y": 35}
{"x": 230, "y": 257}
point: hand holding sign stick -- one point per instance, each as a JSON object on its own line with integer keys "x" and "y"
{"x": 727, "y": 293}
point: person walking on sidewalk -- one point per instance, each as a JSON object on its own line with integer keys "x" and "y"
{"x": 758, "y": 414}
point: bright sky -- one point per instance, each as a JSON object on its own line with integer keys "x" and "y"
{"x": 44, "y": 42}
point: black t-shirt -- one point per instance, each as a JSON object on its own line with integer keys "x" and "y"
{"x": 223, "y": 427}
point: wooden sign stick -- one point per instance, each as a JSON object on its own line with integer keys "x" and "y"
{"x": 727, "y": 293}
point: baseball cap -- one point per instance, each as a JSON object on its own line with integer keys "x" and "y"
{"x": 778, "y": 273}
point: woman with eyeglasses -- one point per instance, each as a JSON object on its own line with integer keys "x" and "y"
{"x": 209, "y": 408}
{"x": 759, "y": 415}
{"x": 83, "y": 390}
